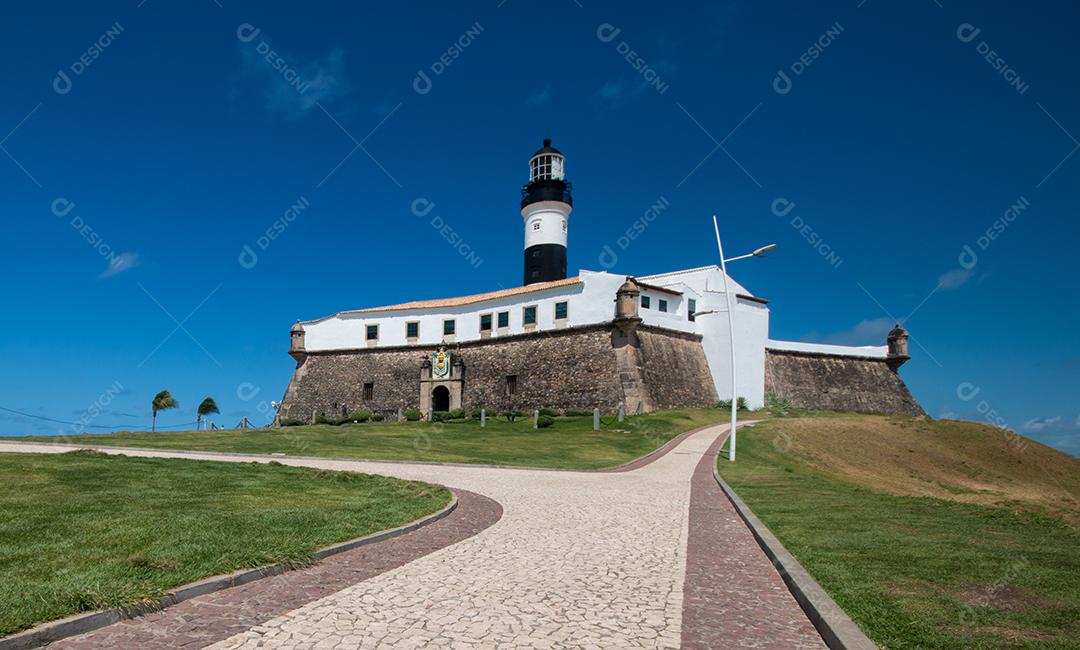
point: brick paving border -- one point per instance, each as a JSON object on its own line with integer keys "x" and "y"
{"x": 832, "y": 622}
{"x": 211, "y": 617}
{"x": 733, "y": 595}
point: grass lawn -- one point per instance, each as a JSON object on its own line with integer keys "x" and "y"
{"x": 83, "y": 531}
{"x": 569, "y": 444}
{"x": 920, "y": 571}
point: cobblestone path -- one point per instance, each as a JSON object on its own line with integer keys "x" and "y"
{"x": 578, "y": 560}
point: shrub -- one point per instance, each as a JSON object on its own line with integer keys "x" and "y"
{"x": 549, "y": 412}
{"x": 377, "y": 417}
{"x": 510, "y": 415}
{"x": 740, "y": 404}
{"x": 544, "y": 421}
{"x": 578, "y": 412}
{"x": 292, "y": 422}
{"x": 440, "y": 416}
{"x": 777, "y": 405}
{"x": 359, "y": 416}
{"x": 322, "y": 419}
{"x": 456, "y": 414}
{"x": 412, "y": 415}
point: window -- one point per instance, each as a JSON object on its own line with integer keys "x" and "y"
{"x": 564, "y": 225}
{"x": 373, "y": 332}
{"x": 369, "y": 391}
{"x": 528, "y": 315}
{"x": 536, "y": 253}
{"x": 412, "y": 330}
{"x": 448, "y": 327}
{"x": 485, "y": 322}
{"x": 663, "y": 305}
{"x": 691, "y": 309}
{"x": 511, "y": 385}
{"x": 541, "y": 167}
{"x": 644, "y": 302}
{"x": 560, "y": 311}
{"x": 536, "y": 225}
{"x": 504, "y": 319}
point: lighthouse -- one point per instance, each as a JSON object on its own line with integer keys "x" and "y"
{"x": 546, "y": 203}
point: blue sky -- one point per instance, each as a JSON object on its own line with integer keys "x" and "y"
{"x": 912, "y": 160}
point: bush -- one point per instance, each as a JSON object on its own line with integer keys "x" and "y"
{"x": 412, "y": 415}
{"x": 377, "y": 417}
{"x": 322, "y": 419}
{"x": 359, "y": 416}
{"x": 510, "y": 415}
{"x": 578, "y": 412}
{"x": 549, "y": 412}
{"x": 292, "y": 422}
{"x": 440, "y": 416}
{"x": 777, "y": 405}
{"x": 456, "y": 414}
{"x": 544, "y": 421}
{"x": 740, "y": 404}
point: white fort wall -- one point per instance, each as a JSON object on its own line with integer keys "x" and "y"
{"x": 705, "y": 285}
{"x": 590, "y": 301}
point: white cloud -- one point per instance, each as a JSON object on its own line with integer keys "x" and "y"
{"x": 540, "y": 97}
{"x": 119, "y": 264}
{"x": 1035, "y": 425}
{"x": 611, "y": 95}
{"x": 954, "y": 279}
{"x": 867, "y": 332}
{"x": 290, "y": 86}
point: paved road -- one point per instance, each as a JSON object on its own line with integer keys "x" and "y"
{"x": 583, "y": 560}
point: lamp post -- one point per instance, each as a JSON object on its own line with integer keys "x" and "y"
{"x": 731, "y": 328}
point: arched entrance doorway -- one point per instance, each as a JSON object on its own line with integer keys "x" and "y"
{"x": 440, "y": 399}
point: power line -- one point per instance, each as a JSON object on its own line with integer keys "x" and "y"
{"x": 87, "y": 426}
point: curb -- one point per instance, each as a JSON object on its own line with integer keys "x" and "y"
{"x": 835, "y": 627}
{"x": 655, "y": 454}
{"x": 81, "y": 623}
{"x": 257, "y": 457}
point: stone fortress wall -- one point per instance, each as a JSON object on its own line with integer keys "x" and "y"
{"x": 597, "y": 366}
{"x": 837, "y": 383}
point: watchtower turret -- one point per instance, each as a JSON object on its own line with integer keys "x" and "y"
{"x": 297, "y": 349}
{"x": 898, "y": 347}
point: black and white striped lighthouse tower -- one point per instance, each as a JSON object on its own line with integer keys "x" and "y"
{"x": 546, "y": 204}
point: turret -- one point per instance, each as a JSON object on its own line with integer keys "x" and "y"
{"x": 297, "y": 349}
{"x": 898, "y": 347}
{"x": 546, "y": 203}
{"x": 626, "y": 305}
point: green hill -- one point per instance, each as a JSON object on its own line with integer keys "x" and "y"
{"x": 930, "y": 534}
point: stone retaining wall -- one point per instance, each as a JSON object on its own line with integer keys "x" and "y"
{"x": 575, "y": 368}
{"x": 837, "y": 383}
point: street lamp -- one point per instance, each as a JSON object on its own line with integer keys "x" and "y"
{"x": 731, "y": 328}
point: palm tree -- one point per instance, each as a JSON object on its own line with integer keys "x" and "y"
{"x": 207, "y": 407}
{"x": 162, "y": 401}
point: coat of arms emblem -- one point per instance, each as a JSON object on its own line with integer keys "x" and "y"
{"x": 440, "y": 364}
